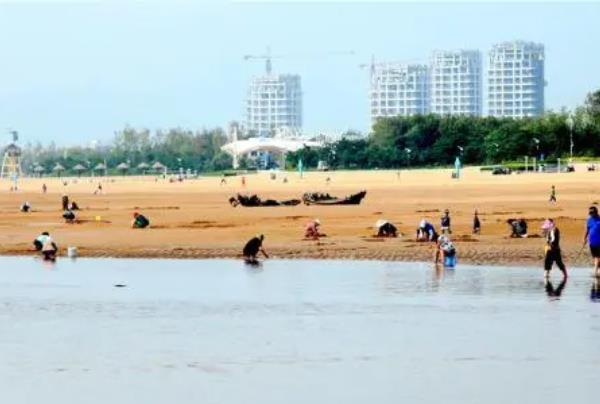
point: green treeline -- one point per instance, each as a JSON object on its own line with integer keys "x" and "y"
{"x": 429, "y": 140}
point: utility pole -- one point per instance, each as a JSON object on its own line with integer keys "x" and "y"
{"x": 570, "y": 124}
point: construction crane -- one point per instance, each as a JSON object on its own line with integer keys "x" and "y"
{"x": 267, "y": 56}
{"x": 373, "y": 65}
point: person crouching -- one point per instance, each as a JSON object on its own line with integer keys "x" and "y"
{"x": 426, "y": 232}
{"x": 312, "y": 230}
{"x": 385, "y": 229}
{"x": 46, "y": 246}
{"x": 69, "y": 216}
{"x": 139, "y": 221}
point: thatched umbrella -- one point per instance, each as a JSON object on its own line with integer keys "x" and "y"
{"x": 79, "y": 168}
{"x": 143, "y": 167}
{"x": 100, "y": 167}
{"x": 58, "y": 168}
{"x": 123, "y": 167}
{"x": 158, "y": 166}
{"x": 39, "y": 170}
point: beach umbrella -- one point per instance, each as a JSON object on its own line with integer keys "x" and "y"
{"x": 123, "y": 167}
{"x": 58, "y": 168}
{"x": 39, "y": 170}
{"x": 79, "y": 168}
{"x": 158, "y": 166}
{"x": 100, "y": 167}
{"x": 143, "y": 167}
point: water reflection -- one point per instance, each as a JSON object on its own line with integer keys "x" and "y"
{"x": 595, "y": 292}
{"x": 551, "y": 291}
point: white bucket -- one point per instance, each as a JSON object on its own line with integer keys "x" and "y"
{"x": 72, "y": 252}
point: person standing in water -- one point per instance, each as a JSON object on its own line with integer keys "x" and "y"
{"x": 552, "y": 194}
{"x": 252, "y": 248}
{"x": 592, "y": 237}
{"x": 553, "y": 253}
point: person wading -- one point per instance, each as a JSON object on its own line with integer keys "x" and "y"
{"x": 592, "y": 237}
{"x": 553, "y": 253}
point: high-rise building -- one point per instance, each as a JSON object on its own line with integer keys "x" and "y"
{"x": 516, "y": 80}
{"x": 456, "y": 82}
{"x": 274, "y": 102}
{"x": 398, "y": 89}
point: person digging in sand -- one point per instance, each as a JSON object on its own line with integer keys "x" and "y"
{"x": 139, "y": 221}
{"x": 426, "y": 232}
{"x": 385, "y": 228}
{"x": 69, "y": 216}
{"x": 252, "y": 248}
{"x": 49, "y": 248}
{"x": 312, "y": 230}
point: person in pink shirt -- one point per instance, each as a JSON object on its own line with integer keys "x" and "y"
{"x": 312, "y": 229}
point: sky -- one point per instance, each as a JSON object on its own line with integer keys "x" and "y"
{"x": 77, "y": 71}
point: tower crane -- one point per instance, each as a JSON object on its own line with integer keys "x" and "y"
{"x": 267, "y": 57}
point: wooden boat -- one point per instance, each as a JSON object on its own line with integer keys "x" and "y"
{"x": 316, "y": 198}
{"x": 255, "y": 201}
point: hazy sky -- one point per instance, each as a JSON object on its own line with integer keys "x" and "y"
{"x": 76, "y": 71}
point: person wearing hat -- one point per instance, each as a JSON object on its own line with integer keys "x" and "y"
{"x": 139, "y": 221}
{"x": 444, "y": 248}
{"x": 312, "y": 229}
{"x": 445, "y": 223}
{"x": 252, "y": 248}
{"x": 385, "y": 229}
{"x": 426, "y": 232}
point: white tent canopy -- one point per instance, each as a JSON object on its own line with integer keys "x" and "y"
{"x": 269, "y": 144}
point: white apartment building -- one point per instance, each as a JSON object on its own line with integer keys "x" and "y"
{"x": 516, "y": 80}
{"x": 398, "y": 89}
{"x": 456, "y": 82}
{"x": 274, "y": 102}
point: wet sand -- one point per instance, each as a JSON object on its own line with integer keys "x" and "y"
{"x": 193, "y": 219}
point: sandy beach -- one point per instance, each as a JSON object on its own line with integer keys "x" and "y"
{"x": 193, "y": 219}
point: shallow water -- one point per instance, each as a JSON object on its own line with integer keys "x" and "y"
{"x": 216, "y": 331}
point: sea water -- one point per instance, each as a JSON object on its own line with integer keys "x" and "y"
{"x": 218, "y": 331}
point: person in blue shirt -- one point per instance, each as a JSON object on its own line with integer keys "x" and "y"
{"x": 592, "y": 237}
{"x": 426, "y": 232}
